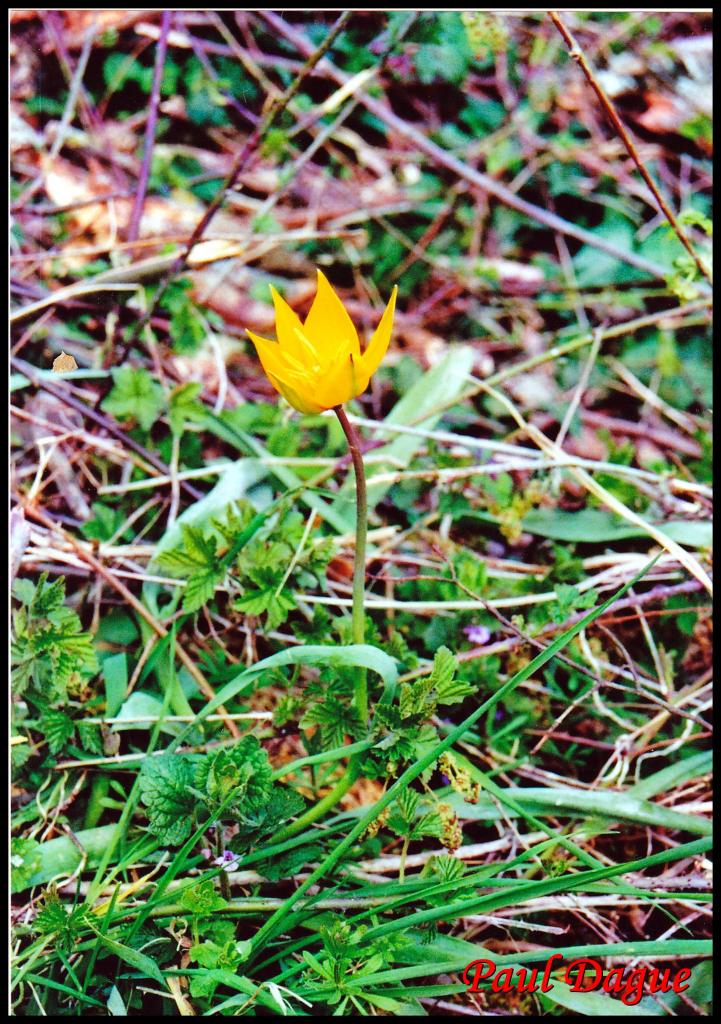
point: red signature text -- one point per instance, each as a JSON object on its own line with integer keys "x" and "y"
{"x": 582, "y": 975}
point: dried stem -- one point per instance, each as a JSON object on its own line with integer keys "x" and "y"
{"x": 476, "y": 178}
{"x": 134, "y": 226}
{"x": 575, "y": 51}
{"x": 251, "y": 144}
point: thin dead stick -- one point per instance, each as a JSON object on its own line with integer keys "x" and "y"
{"x": 566, "y": 348}
{"x": 251, "y": 145}
{"x": 463, "y": 170}
{"x": 157, "y": 627}
{"x": 580, "y": 389}
{"x": 687, "y": 560}
{"x": 575, "y": 51}
{"x": 63, "y": 395}
{"x": 162, "y": 48}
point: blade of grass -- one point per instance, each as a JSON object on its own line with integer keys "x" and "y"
{"x": 275, "y": 922}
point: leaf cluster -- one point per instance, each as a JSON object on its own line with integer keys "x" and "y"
{"x": 403, "y": 730}
{"x": 265, "y": 555}
{"x": 49, "y": 649}
{"x": 236, "y": 781}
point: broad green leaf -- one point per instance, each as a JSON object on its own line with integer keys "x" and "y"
{"x": 246, "y": 443}
{"x": 587, "y": 803}
{"x": 233, "y": 483}
{"x": 139, "y": 961}
{"x": 598, "y": 1004}
{"x": 165, "y": 784}
{"x": 363, "y": 655}
{"x": 595, "y": 525}
{"x": 62, "y": 856}
{"x": 141, "y": 711}
{"x": 441, "y": 384}
{"x": 116, "y": 1006}
{"x": 114, "y": 670}
{"x": 674, "y": 775}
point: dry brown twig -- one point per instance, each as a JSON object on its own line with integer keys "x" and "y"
{"x": 576, "y": 53}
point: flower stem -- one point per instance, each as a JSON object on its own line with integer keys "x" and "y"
{"x": 220, "y": 850}
{"x": 359, "y": 566}
{"x": 360, "y": 696}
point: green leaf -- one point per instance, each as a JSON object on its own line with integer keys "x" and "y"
{"x": 438, "y": 386}
{"x": 242, "y": 770}
{"x": 25, "y": 861}
{"x": 183, "y": 405}
{"x": 264, "y": 818}
{"x": 106, "y": 523}
{"x": 570, "y": 599}
{"x": 596, "y": 526}
{"x": 54, "y": 919}
{"x": 331, "y": 656}
{"x": 57, "y": 727}
{"x": 434, "y": 61}
{"x": 200, "y": 588}
{"x": 48, "y": 645}
{"x": 115, "y": 1004}
{"x": 165, "y": 784}
{"x": 429, "y": 824}
{"x": 403, "y": 811}
{"x": 233, "y": 484}
{"x": 283, "y": 866}
{"x": 202, "y": 898}
{"x": 598, "y": 1004}
{"x": 114, "y": 670}
{"x": 139, "y": 961}
{"x": 563, "y": 802}
{"x": 140, "y": 705}
{"x": 336, "y": 721}
{"x": 61, "y": 856}
{"x": 135, "y": 395}
{"x": 448, "y": 689}
{"x": 91, "y": 738}
{"x": 276, "y": 606}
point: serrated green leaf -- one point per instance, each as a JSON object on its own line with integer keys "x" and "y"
{"x": 165, "y": 789}
{"x": 135, "y": 395}
{"x": 202, "y": 898}
{"x": 200, "y": 588}
{"x": 242, "y": 770}
{"x": 57, "y": 727}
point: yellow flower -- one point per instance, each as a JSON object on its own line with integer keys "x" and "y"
{"x": 318, "y": 364}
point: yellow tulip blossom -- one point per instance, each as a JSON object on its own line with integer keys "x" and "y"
{"x": 318, "y": 364}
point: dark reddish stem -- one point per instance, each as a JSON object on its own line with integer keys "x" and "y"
{"x": 150, "y": 125}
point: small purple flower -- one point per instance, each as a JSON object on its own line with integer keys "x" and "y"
{"x": 228, "y": 859}
{"x": 478, "y": 634}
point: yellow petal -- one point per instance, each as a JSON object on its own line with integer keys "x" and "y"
{"x": 270, "y": 354}
{"x": 291, "y": 336}
{"x": 378, "y": 345}
{"x": 299, "y": 399}
{"x": 289, "y": 379}
{"x": 328, "y": 324}
{"x": 347, "y": 380}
